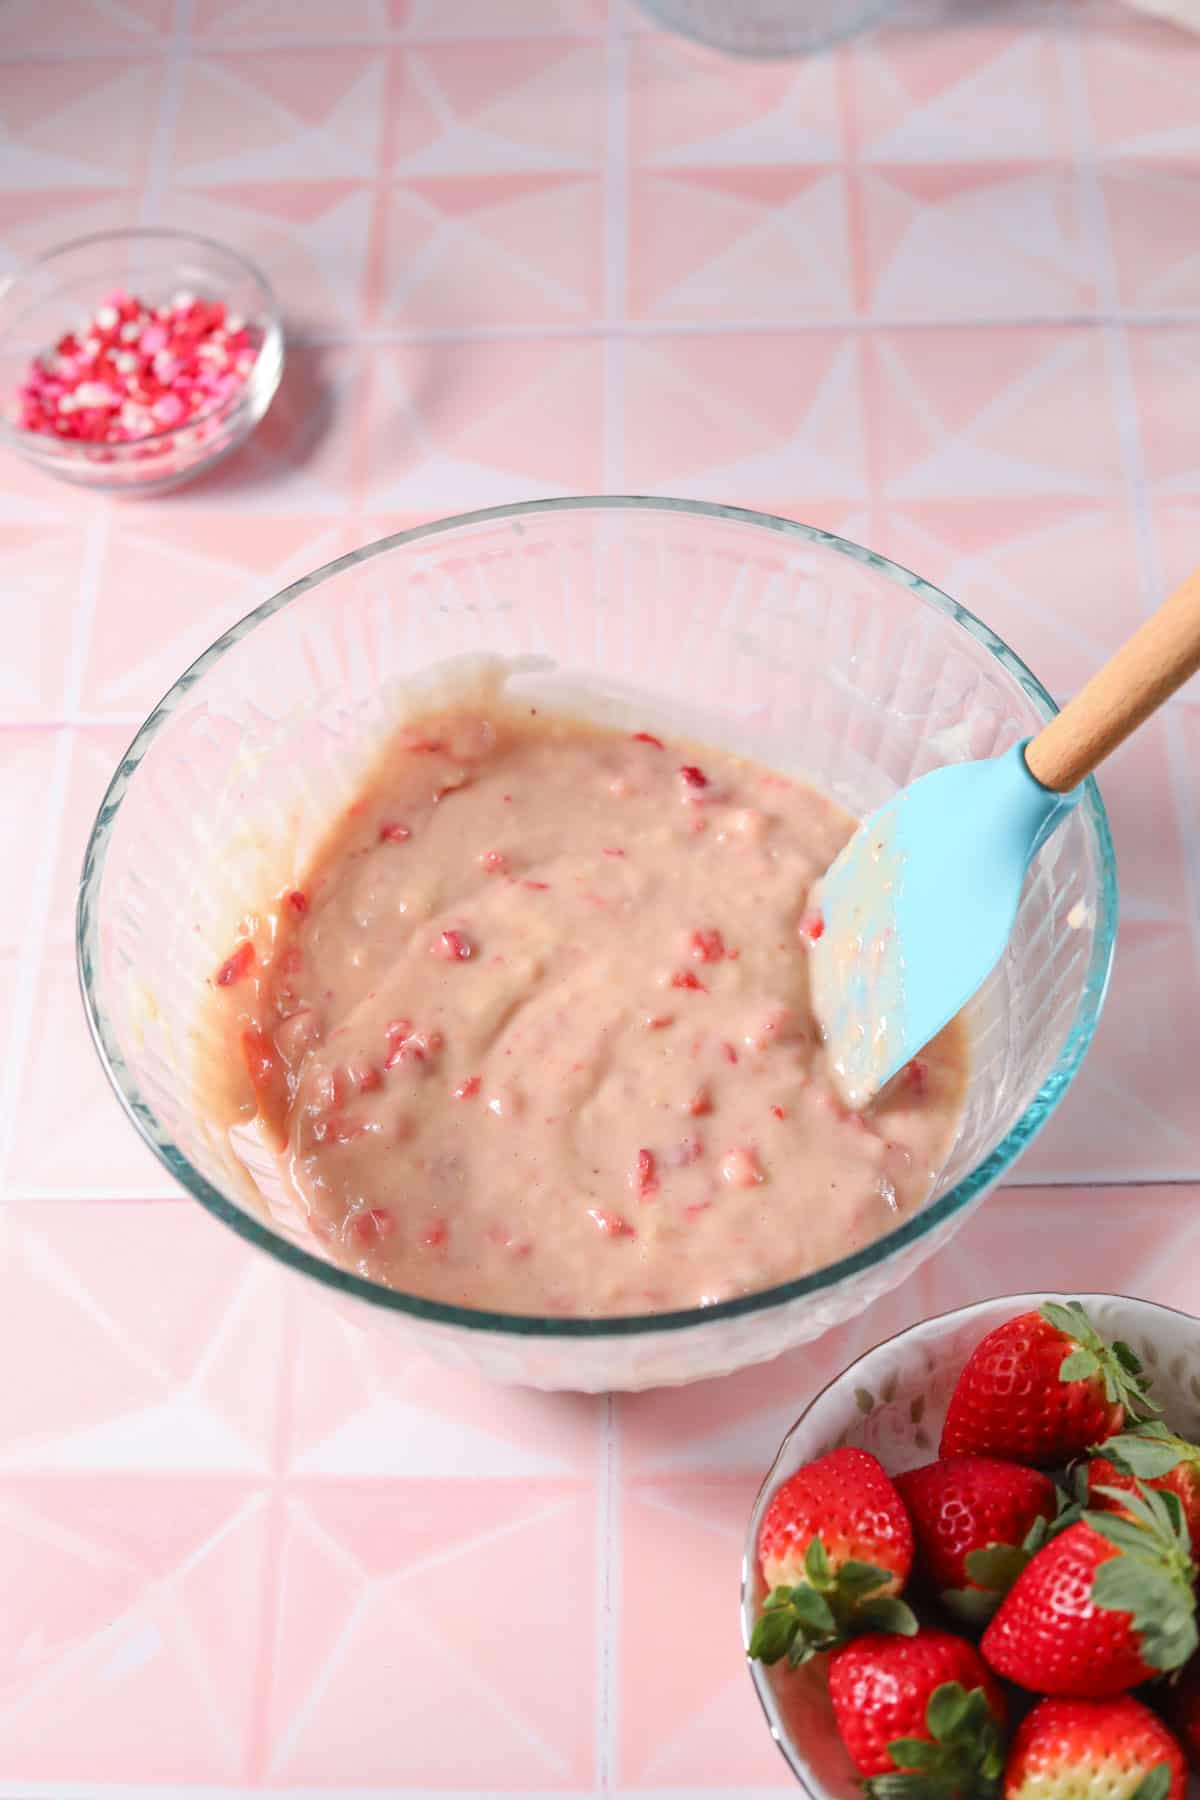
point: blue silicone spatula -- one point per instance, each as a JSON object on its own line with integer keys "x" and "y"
{"x": 917, "y": 909}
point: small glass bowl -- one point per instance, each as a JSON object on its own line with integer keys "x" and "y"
{"x": 892, "y": 1401}
{"x": 58, "y": 291}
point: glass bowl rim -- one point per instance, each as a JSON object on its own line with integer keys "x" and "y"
{"x": 531, "y": 1325}
{"x": 1024, "y": 1301}
{"x": 41, "y": 445}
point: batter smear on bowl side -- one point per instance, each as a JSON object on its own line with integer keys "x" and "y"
{"x": 534, "y": 1034}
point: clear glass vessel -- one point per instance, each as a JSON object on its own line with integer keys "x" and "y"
{"x": 61, "y": 290}
{"x": 805, "y": 651}
{"x": 767, "y": 27}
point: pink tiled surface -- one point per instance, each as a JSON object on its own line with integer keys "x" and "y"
{"x": 938, "y": 289}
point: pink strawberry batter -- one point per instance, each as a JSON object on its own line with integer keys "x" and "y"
{"x": 535, "y": 1035}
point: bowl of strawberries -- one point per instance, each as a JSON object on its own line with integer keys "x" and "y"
{"x": 972, "y": 1568}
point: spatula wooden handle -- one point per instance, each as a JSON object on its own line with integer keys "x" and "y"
{"x": 1145, "y": 671}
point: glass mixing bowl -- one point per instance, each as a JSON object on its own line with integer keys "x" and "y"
{"x": 810, "y": 653}
{"x": 767, "y": 27}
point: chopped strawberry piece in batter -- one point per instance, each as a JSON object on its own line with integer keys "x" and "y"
{"x": 236, "y": 967}
{"x": 643, "y": 1178}
{"x": 740, "y": 1167}
{"x": 611, "y": 1224}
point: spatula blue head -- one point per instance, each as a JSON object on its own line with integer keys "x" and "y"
{"x": 917, "y": 909}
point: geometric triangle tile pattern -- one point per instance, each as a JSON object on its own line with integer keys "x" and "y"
{"x": 169, "y": 587}
{"x": 1154, "y": 233}
{"x": 310, "y": 237}
{"x": 488, "y": 249}
{"x": 522, "y": 104}
{"x": 125, "y": 25}
{"x": 936, "y": 289}
{"x": 993, "y": 93}
{"x": 271, "y": 113}
{"x": 89, "y": 128}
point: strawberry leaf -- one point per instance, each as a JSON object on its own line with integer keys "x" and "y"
{"x": 816, "y": 1564}
{"x": 1070, "y": 1319}
{"x": 772, "y": 1636}
{"x": 888, "y": 1614}
{"x": 1166, "y": 1499}
{"x": 1124, "y": 1533}
{"x": 780, "y": 1596}
{"x": 1150, "y": 1506}
{"x": 914, "y": 1753}
{"x": 795, "y": 1622}
{"x": 904, "y": 1787}
{"x": 1078, "y": 1366}
{"x": 963, "y": 1754}
{"x": 997, "y": 1566}
{"x": 1090, "y": 1355}
{"x": 1154, "y": 1786}
{"x": 1148, "y": 1451}
{"x": 1160, "y": 1606}
{"x": 1169, "y": 1642}
{"x": 856, "y": 1579}
{"x": 825, "y": 1609}
{"x": 945, "y": 1711}
{"x": 972, "y": 1606}
{"x": 813, "y": 1611}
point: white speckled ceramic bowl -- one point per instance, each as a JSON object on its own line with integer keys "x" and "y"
{"x": 892, "y": 1402}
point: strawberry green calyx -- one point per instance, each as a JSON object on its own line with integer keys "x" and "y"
{"x": 993, "y": 1570}
{"x": 1155, "y": 1784}
{"x": 826, "y": 1608}
{"x": 1115, "y": 1364}
{"x": 962, "y": 1759}
{"x": 1148, "y": 1450}
{"x": 1152, "y": 1578}
{"x": 995, "y": 1567}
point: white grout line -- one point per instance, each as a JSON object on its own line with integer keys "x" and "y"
{"x": 1133, "y": 460}
{"x": 168, "y": 115}
{"x": 616, "y": 259}
{"x": 618, "y": 326}
{"x": 608, "y": 1576}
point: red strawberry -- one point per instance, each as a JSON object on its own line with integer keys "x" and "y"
{"x": 923, "y": 1704}
{"x": 976, "y": 1521}
{"x": 1094, "y": 1750}
{"x": 1106, "y": 1605}
{"x": 835, "y": 1548}
{"x": 236, "y": 966}
{"x": 1042, "y": 1388}
{"x": 1184, "y": 1712}
{"x": 1152, "y": 1454}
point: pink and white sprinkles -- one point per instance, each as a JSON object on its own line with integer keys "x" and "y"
{"x": 135, "y": 370}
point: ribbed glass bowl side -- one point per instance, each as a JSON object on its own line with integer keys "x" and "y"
{"x": 807, "y": 652}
